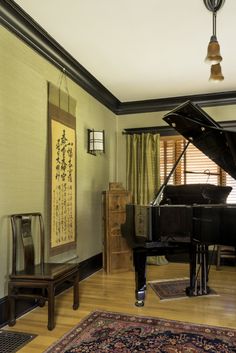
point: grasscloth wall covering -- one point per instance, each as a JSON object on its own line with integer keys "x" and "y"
{"x": 23, "y": 145}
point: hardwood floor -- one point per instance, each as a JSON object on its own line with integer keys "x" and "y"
{"x": 116, "y": 293}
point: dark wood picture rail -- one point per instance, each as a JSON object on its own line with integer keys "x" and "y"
{"x": 16, "y": 20}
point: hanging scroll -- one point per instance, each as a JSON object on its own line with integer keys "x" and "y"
{"x": 62, "y": 170}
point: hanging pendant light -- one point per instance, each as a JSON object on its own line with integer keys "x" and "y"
{"x": 213, "y": 51}
{"x": 216, "y": 74}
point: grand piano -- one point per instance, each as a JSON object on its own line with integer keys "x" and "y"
{"x": 189, "y": 217}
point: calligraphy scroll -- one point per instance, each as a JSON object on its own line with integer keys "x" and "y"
{"x": 62, "y": 170}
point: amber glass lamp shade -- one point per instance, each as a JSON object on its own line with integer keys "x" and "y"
{"x": 216, "y": 74}
{"x": 213, "y": 52}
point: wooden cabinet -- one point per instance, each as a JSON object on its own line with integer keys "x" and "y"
{"x": 117, "y": 256}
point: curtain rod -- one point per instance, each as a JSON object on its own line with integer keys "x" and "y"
{"x": 162, "y": 130}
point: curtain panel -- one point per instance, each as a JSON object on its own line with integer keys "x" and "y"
{"x": 143, "y": 161}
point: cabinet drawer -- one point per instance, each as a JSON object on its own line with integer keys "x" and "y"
{"x": 121, "y": 262}
{"x": 118, "y": 244}
{"x": 118, "y": 202}
{"x": 115, "y": 220}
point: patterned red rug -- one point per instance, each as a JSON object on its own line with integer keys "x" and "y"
{"x": 170, "y": 289}
{"x": 105, "y": 332}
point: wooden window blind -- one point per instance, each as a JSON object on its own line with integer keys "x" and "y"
{"x": 170, "y": 149}
{"x": 194, "y": 167}
{"x": 231, "y": 182}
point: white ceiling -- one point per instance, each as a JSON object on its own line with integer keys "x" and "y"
{"x": 142, "y": 49}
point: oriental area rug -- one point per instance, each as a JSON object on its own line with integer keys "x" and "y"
{"x": 107, "y": 332}
{"x": 170, "y": 289}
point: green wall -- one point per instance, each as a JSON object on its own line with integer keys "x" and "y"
{"x": 23, "y": 149}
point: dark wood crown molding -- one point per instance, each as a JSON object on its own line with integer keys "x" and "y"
{"x": 154, "y": 105}
{"x": 16, "y": 20}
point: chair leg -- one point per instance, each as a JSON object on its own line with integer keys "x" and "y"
{"x": 76, "y": 292}
{"x": 12, "y": 312}
{"x": 51, "y": 307}
{"x": 218, "y": 252}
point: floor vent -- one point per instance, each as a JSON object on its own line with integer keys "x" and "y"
{"x": 11, "y": 342}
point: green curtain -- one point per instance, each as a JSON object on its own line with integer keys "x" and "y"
{"x": 143, "y": 176}
{"x": 143, "y": 173}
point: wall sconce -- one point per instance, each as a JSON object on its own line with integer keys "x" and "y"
{"x": 96, "y": 142}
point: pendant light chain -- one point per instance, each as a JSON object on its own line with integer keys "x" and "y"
{"x": 214, "y": 24}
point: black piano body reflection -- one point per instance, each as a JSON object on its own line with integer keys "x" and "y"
{"x": 186, "y": 218}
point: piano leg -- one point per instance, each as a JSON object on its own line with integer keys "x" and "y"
{"x": 192, "y": 290}
{"x": 139, "y": 258}
{"x": 198, "y": 277}
{"x": 205, "y": 288}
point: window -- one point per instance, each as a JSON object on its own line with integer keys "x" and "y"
{"x": 194, "y": 166}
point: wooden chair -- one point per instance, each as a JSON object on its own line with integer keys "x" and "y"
{"x": 35, "y": 278}
{"x": 225, "y": 252}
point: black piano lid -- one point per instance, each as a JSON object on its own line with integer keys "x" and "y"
{"x": 206, "y": 134}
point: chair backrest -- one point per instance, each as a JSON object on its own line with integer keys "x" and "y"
{"x": 22, "y": 234}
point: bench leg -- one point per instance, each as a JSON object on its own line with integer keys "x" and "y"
{"x": 76, "y": 293}
{"x": 218, "y": 257}
{"x": 11, "y": 300}
{"x": 51, "y": 307}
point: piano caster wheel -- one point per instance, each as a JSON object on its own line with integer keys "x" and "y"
{"x": 193, "y": 293}
{"x": 190, "y": 292}
{"x": 139, "y": 303}
{"x": 206, "y": 291}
